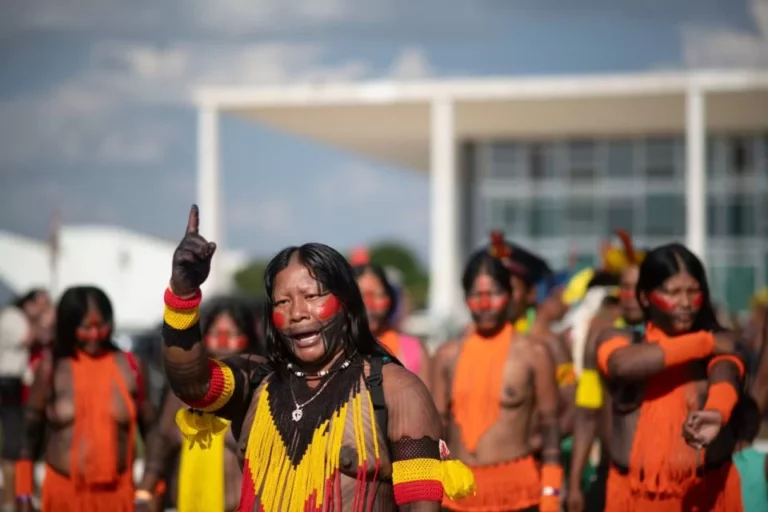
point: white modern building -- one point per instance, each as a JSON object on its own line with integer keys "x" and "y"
{"x": 556, "y": 162}
{"x": 132, "y": 268}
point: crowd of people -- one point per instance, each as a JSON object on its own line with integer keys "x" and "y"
{"x": 617, "y": 388}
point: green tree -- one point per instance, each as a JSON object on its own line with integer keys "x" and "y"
{"x": 396, "y": 255}
{"x": 250, "y": 279}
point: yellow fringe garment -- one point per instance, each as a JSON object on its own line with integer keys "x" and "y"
{"x": 270, "y": 476}
{"x": 201, "y": 474}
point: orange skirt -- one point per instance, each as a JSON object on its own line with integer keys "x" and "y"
{"x": 61, "y": 495}
{"x": 505, "y": 487}
{"x": 718, "y": 490}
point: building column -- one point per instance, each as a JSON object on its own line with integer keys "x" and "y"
{"x": 209, "y": 191}
{"x": 444, "y": 249}
{"x": 696, "y": 173}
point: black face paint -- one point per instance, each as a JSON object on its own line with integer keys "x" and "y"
{"x": 332, "y": 334}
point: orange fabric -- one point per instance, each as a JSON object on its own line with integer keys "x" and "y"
{"x": 607, "y": 348}
{"x": 733, "y": 359}
{"x": 551, "y": 476}
{"x": 391, "y": 341}
{"x": 505, "y": 487}
{"x": 62, "y": 494}
{"x": 25, "y": 478}
{"x": 477, "y": 383}
{"x": 661, "y": 463}
{"x": 94, "y": 457}
{"x": 682, "y": 349}
{"x": 722, "y": 397}
{"x": 618, "y": 492}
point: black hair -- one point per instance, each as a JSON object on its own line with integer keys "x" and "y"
{"x": 72, "y": 308}
{"x": 244, "y": 317}
{"x": 28, "y": 297}
{"x": 668, "y": 260}
{"x": 335, "y": 275}
{"x": 603, "y": 278}
{"x": 482, "y": 262}
{"x": 381, "y": 275}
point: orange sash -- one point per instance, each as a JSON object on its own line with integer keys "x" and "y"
{"x": 477, "y": 384}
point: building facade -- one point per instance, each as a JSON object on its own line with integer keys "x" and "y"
{"x": 565, "y": 196}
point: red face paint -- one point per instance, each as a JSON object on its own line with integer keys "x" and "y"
{"x": 661, "y": 302}
{"x": 329, "y": 308}
{"x": 93, "y": 328}
{"x": 697, "y": 301}
{"x": 225, "y": 340}
{"x": 487, "y": 303}
{"x": 278, "y": 319}
{"x": 626, "y": 294}
{"x": 376, "y": 304}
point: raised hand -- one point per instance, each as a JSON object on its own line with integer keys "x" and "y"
{"x": 191, "y": 259}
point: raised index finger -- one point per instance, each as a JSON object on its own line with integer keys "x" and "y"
{"x": 194, "y": 219}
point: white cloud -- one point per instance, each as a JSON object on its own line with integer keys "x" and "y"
{"x": 723, "y": 47}
{"x": 412, "y": 64}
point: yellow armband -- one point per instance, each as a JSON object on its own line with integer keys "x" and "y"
{"x": 589, "y": 393}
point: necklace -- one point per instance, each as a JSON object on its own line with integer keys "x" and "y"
{"x": 298, "y": 412}
{"x": 321, "y": 373}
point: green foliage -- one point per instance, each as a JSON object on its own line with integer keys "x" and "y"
{"x": 396, "y": 255}
{"x": 250, "y": 279}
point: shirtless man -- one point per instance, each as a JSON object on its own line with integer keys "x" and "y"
{"x": 487, "y": 388}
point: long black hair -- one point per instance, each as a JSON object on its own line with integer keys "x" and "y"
{"x": 381, "y": 275}
{"x": 482, "y": 262}
{"x": 666, "y": 261}
{"x": 72, "y": 308}
{"x": 243, "y": 316}
{"x": 335, "y": 274}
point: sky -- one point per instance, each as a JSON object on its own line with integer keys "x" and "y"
{"x": 97, "y": 120}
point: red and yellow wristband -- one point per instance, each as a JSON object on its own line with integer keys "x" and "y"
{"x": 565, "y": 375}
{"x": 417, "y": 480}
{"x": 181, "y": 314}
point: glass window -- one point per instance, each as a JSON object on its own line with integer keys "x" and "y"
{"x": 665, "y": 215}
{"x": 620, "y": 214}
{"x": 660, "y": 158}
{"x": 541, "y": 161}
{"x": 581, "y": 216}
{"x": 739, "y": 287}
{"x": 507, "y": 214}
{"x": 713, "y": 215}
{"x": 763, "y": 217}
{"x": 740, "y": 155}
{"x": 740, "y": 216}
{"x": 507, "y": 160}
{"x": 621, "y": 158}
{"x": 546, "y": 218}
{"x": 581, "y": 158}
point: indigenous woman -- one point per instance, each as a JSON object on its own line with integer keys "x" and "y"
{"x": 325, "y": 423}
{"x": 230, "y": 328}
{"x": 380, "y": 304}
{"x": 680, "y": 376}
{"x": 84, "y": 408}
{"x": 482, "y": 388}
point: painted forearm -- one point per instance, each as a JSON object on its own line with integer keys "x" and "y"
{"x": 550, "y": 439}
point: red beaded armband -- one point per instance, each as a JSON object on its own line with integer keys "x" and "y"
{"x": 175, "y": 302}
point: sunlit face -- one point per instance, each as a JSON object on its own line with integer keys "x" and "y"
{"x": 377, "y": 302}
{"x": 630, "y": 307}
{"x": 674, "y": 305}
{"x": 224, "y": 338}
{"x": 93, "y": 331}
{"x": 308, "y": 317}
{"x": 488, "y": 302}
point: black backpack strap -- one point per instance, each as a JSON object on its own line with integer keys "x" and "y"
{"x": 376, "y": 390}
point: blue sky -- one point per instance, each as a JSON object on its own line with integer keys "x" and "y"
{"x": 95, "y": 98}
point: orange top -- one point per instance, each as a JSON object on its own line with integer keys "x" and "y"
{"x": 477, "y": 384}
{"x": 391, "y": 341}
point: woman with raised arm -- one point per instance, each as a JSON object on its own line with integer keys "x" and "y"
{"x": 380, "y": 303}
{"x": 672, "y": 389}
{"x": 324, "y": 423}
{"x": 85, "y": 405}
